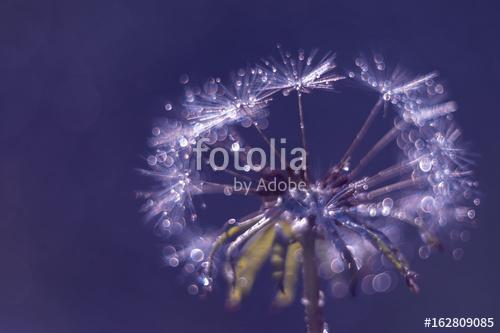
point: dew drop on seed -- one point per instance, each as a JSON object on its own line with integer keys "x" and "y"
{"x": 425, "y": 164}
{"x": 183, "y": 142}
{"x": 197, "y": 255}
{"x": 427, "y": 204}
{"x": 439, "y": 89}
{"x": 235, "y": 146}
{"x": 174, "y": 262}
{"x": 152, "y": 160}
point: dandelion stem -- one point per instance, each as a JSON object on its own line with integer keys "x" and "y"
{"x": 303, "y": 132}
{"x": 388, "y": 137}
{"x": 312, "y": 303}
{"x": 362, "y": 132}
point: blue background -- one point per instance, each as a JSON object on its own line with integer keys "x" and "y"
{"x": 81, "y": 83}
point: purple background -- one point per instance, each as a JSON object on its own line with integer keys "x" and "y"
{"x": 81, "y": 82}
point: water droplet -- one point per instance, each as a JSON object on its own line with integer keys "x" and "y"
{"x": 169, "y": 161}
{"x": 183, "y": 142}
{"x": 439, "y": 89}
{"x": 424, "y": 252}
{"x": 173, "y": 262}
{"x": 152, "y": 160}
{"x": 425, "y": 164}
{"x": 168, "y": 107}
{"x": 192, "y": 289}
{"x": 427, "y": 204}
{"x": 381, "y": 282}
{"x": 387, "y": 202}
{"x": 156, "y": 131}
{"x": 197, "y": 255}
{"x": 235, "y": 146}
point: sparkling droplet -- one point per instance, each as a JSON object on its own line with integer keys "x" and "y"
{"x": 169, "y": 161}
{"x": 168, "y": 107}
{"x": 235, "y": 146}
{"x": 156, "y": 131}
{"x": 425, "y": 164}
{"x": 387, "y": 202}
{"x": 439, "y": 89}
{"x": 197, "y": 255}
{"x": 174, "y": 262}
{"x": 183, "y": 142}
{"x": 427, "y": 204}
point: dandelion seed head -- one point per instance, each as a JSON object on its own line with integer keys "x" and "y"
{"x": 360, "y": 221}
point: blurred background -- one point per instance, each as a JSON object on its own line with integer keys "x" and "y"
{"x": 81, "y": 83}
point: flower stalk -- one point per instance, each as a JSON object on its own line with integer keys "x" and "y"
{"x": 313, "y": 304}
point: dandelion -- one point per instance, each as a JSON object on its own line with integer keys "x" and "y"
{"x": 348, "y": 227}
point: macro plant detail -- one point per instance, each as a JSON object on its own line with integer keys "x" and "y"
{"x": 346, "y": 231}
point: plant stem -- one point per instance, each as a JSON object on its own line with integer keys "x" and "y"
{"x": 311, "y": 300}
{"x": 303, "y": 133}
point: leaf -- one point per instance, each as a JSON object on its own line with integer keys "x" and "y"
{"x": 251, "y": 260}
